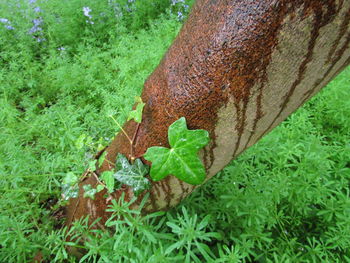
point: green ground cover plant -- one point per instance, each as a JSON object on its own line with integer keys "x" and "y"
{"x": 66, "y": 66}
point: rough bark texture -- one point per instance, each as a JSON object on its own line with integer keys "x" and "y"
{"x": 237, "y": 69}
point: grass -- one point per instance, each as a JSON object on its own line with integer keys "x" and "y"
{"x": 286, "y": 199}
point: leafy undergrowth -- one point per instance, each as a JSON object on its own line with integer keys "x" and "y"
{"x": 286, "y": 199}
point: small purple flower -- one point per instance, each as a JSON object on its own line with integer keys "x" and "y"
{"x": 179, "y": 7}
{"x": 37, "y": 22}
{"x": 180, "y": 16}
{"x": 36, "y": 27}
{"x": 32, "y": 1}
{"x": 62, "y": 51}
{"x": 7, "y": 23}
{"x": 116, "y": 8}
{"x": 37, "y": 30}
{"x": 86, "y": 11}
{"x": 37, "y": 9}
{"x": 4, "y": 20}
{"x": 130, "y": 7}
{"x": 174, "y": 2}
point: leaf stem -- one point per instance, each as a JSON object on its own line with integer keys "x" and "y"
{"x": 110, "y": 197}
{"x": 127, "y": 136}
{"x": 132, "y": 157}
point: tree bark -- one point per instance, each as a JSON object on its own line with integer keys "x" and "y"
{"x": 237, "y": 69}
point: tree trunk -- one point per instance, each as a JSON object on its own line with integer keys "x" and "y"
{"x": 237, "y": 69}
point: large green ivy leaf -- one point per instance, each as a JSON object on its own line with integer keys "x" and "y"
{"x": 181, "y": 160}
{"x": 132, "y": 174}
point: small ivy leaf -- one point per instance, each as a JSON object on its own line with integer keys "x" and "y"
{"x": 102, "y": 158}
{"x": 79, "y": 143}
{"x": 70, "y": 187}
{"x": 99, "y": 188}
{"x": 132, "y": 174}
{"x": 181, "y": 160}
{"x": 108, "y": 179}
{"x": 89, "y": 191}
{"x": 92, "y": 165}
{"x": 101, "y": 143}
{"x": 69, "y": 191}
{"x": 70, "y": 179}
{"x": 137, "y": 113}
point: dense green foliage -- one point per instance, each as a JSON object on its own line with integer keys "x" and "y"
{"x": 285, "y": 199}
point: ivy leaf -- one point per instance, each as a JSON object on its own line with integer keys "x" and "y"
{"x": 70, "y": 179}
{"x": 92, "y": 165}
{"x": 108, "y": 179}
{"x": 137, "y": 113}
{"x": 102, "y": 158}
{"x": 89, "y": 191}
{"x": 69, "y": 192}
{"x": 70, "y": 187}
{"x": 132, "y": 174}
{"x": 181, "y": 160}
{"x": 99, "y": 188}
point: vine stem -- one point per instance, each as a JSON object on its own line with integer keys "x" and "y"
{"x": 131, "y": 141}
{"x": 84, "y": 176}
{"x": 127, "y": 136}
{"x": 98, "y": 180}
{"x": 132, "y": 157}
{"x": 110, "y": 197}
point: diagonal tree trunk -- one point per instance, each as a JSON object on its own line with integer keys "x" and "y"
{"x": 237, "y": 69}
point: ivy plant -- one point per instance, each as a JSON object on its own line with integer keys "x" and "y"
{"x": 132, "y": 174}
{"x": 181, "y": 160}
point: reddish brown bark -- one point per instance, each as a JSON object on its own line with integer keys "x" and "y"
{"x": 236, "y": 69}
